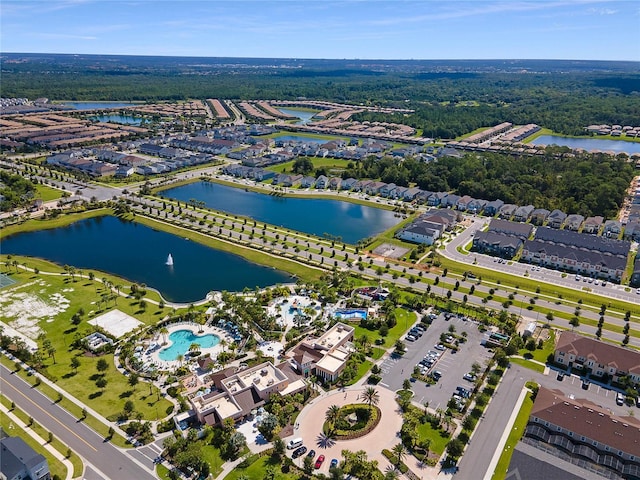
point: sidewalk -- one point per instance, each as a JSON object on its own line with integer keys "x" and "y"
{"x": 40, "y": 440}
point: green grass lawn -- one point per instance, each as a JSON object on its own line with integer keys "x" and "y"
{"x": 212, "y": 455}
{"x": 541, "y": 355}
{"x": 527, "y": 364}
{"x": 514, "y": 436}
{"x": 318, "y": 162}
{"x": 257, "y": 470}
{"x": 404, "y": 320}
{"x": 46, "y": 194}
{"x": 61, "y": 332}
{"x": 438, "y": 438}
{"x": 55, "y": 466}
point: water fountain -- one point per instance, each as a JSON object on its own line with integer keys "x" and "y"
{"x": 169, "y": 261}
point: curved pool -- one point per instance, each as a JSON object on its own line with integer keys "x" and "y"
{"x": 181, "y": 340}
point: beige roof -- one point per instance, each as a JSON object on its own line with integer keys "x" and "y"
{"x": 584, "y": 418}
{"x": 623, "y": 359}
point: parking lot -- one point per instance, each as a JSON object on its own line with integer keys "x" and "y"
{"x": 453, "y": 367}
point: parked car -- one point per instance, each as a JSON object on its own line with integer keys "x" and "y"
{"x": 298, "y": 452}
{"x": 560, "y": 376}
{"x": 585, "y": 384}
{"x": 619, "y": 398}
{"x": 436, "y": 374}
{"x": 410, "y": 338}
{"x": 440, "y": 347}
{"x": 470, "y": 377}
{"x": 319, "y": 461}
{"x": 312, "y": 453}
{"x": 334, "y": 463}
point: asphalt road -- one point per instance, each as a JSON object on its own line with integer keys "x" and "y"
{"x": 105, "y": 460}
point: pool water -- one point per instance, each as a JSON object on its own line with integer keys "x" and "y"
{"x": 346, "y": 314}
{"x": 182, "y": 340}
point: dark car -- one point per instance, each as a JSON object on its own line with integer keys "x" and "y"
{"x": 319, "y": 461}
{"x": 312, "y": 453}
{"x": 585, "y": 384}
{"x": 298, "y": 452}
{"x": 560, "y": 376}
{"x": 334, "y": 463}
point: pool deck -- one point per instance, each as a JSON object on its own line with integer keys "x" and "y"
{"x": 154, "y": 355}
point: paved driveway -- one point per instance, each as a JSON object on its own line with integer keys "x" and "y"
{"x": 385, "y": 435}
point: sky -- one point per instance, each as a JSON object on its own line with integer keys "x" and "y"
{"x": 364, "y": 29}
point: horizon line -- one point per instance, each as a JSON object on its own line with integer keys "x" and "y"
{"x": 330, "y": 58}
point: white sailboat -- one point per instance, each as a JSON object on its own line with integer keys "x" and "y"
{"x": 169, "y": 261}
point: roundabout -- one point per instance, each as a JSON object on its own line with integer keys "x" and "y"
{"x": 385, "y": 434}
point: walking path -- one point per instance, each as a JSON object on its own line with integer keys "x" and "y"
{"x": 55, "y": 453}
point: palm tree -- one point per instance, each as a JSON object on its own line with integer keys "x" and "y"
{"x": 194, "y": 347}
{"x": 370, "y": 396}
{"x": 164, "y": 331}
{"x": 180, "y": 358}
{"x": 400, "y": 452}
{"x": 332, "y": 414}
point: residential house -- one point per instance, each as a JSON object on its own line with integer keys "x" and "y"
{"x": 450, "y": 200}
{"x": 514, "y": 229}
{"x": 307, "y": 182}
{"x": 556, "y": 218}
{"x": 573, "y": 222}
{"x": 150, "y": 149}
{"x": 334, "y": 183}
{"x": 586, "y": 242}
{"x": 635, "y": 275}
{"x": 612, "y": 228}
{"x": 322, "y": 182}
{"x": 411, "y": 194}
{"x": 422, "y": 230}
{"x": 632, "y": 231}
{"x": 387, "y": 189}
{"x": 539, "y": 216}
{"x": 463, "y": 203}
{"x": 583, "y": 433}
{"x": 476, "y": 205}
{"x": 592, "y": 225}
{"x": 435, "y": 199}
{"x": 492, "y": 208}
{"x": 19, "y": 461}
{"x": 597, "y": 358}
{"x": 373, "y": 188}
{"x": 522, "y": 213}
{"x": 494, "y": 243}
{"x": 360, "y": 185}
{"x": 290, "y": 180}
{"x": 348, "y": 183}
{"x": 507, "y": 210}
{"x": 262, "y": 174}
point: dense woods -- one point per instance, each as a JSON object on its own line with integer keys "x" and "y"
{"x": 589, "y": 184}
{"x": 15, "y": 191}
{"x": 449, "y": 98}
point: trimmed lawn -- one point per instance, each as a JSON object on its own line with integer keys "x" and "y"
{"x": 514, "y": 436}
{"x": 55, "y": 467}
{"x": 318, "y": 162}
{"x": 46, "y": 194}
{"x": 212, "y": 455}
{"x": 527, "y": 364}
{"x": 258, "y": 470}
{"x": 438, "y": 438}
{"x": 404, "y": 319}
{"x": 541, "y": 355}
{"x": 61, "y": 332}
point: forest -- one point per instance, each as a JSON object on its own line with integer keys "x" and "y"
{"x": 450, "y": 98}
{"x": 588, "y": 184}
{"x": 15, "y": 191}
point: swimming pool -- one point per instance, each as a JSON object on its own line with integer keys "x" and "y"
{"x": 181, "y": 340}
{"x": 347, "y": 314}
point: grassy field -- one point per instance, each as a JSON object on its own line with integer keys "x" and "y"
{"x": 404, "y": 320}
{"x": 46, "y": 194}
{"x": 536, "y": 367}
{"x": 514, "y": 436}
{"x": 318, "y": 162}
{"x": 438, "y": 438}
{"x": 61, "y": 332}
{"x": 258, "y": 469}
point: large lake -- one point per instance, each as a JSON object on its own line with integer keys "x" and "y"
{"x": 139, "y": 253}
{"x": 589, "y": 144}
{"x": 303, "y": 115}
{"x": 350, "y": 221}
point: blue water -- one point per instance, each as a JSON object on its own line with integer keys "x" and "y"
{"x": 304, "y": 116}
{"x": 114, "y": 118}
{"x": 97, "y": 105}
{"x": 302, "y": 138}
{"x": 351, "y": 314}
{"x": 589, "y": 144}
{"x": 139, "y": 254}
{"x": 182, "y": 340}
{"x": 349, "y": 221}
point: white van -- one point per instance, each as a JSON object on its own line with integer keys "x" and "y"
{"x": 294, "y": 443}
